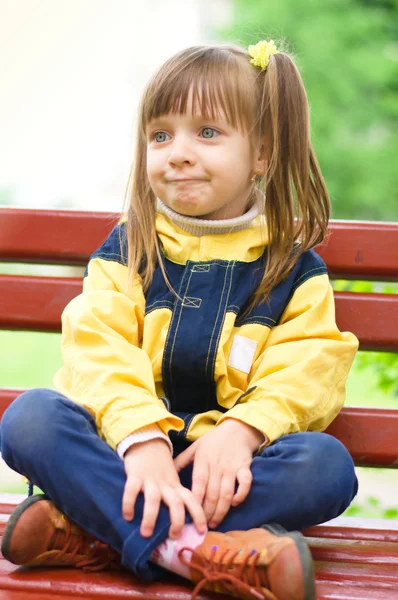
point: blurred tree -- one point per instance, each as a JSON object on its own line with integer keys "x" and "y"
{"x": 347, "y": 52}
{"x": 7, "y": 196}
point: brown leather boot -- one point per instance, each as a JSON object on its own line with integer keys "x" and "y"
{"x": 39, "y": 535}
{"x": 253, "y": 564}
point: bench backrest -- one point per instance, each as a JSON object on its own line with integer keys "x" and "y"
{"x": 354, "y": 250}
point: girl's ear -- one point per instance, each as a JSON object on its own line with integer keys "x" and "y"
{"x": 260, "y": 162}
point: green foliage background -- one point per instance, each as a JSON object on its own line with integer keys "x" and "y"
{"x": 347, "y": 52}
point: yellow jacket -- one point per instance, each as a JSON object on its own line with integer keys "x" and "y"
{"x": 133, "y": 361}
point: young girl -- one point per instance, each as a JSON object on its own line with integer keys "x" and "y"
{"x": 202, "y": 360}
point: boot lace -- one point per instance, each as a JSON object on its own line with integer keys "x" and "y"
{"x": 244, "y": 579}
{"x": 97, "y": 555}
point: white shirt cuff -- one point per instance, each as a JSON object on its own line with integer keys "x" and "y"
{"x": 145, "y": 434}
{"x": 263, "y": 445}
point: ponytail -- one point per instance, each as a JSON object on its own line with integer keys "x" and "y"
{"x": 297, "y": 203}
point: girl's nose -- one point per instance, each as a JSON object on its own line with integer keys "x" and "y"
{"x": 181, "y": 151}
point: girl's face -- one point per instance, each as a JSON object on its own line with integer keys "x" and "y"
{"x": 200, "y": 167}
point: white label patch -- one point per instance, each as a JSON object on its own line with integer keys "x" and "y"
{"x": 242, "y": 353}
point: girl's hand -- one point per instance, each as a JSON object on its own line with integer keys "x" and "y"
{"x": 150, "y": 469}
{"x": 221, "y": 457}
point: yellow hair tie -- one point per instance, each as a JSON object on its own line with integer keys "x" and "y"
{"x": 261, "y": 53}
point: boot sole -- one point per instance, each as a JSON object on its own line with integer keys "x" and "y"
{"x": 307, "y": 563}
{"x": 17, "y": 512}
{"x": 305, "y": 557}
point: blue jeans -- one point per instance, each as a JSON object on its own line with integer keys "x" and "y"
{"x": 300, "y": 480}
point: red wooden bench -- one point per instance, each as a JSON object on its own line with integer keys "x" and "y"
{"x": 355, "y": 559}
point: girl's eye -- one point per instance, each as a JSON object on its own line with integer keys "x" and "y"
{"x": 160, "y": 136}
{"x": 208, "y": 132}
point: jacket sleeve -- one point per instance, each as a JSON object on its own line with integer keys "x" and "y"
{"x": 105, "y": 369}
{"x": 298, "y": 381}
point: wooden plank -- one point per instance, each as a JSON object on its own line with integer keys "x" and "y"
{"x": 370, "y": 434}
{"x": 342, "y": 590}
{"x": 7, "y": 395}
{"x": 8, "y": 502}
{"x": 372, "y": 317}
{"x": 363, "y": 532}
{"x": 18, "y": 595}
{"x": 358, "y": 551}
{"x": 368, "y": 575}
{"x": 36, "y": 303}
{"x": 52, "y": 236}
{"x": 361, "y": 250}
{"x": 354, "y": 249}
{"x": 23, "y": 595}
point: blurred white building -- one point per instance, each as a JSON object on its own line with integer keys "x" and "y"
{"x": 71, "y": 73}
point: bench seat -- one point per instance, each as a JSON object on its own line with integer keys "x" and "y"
{"x": 355, "y": 559}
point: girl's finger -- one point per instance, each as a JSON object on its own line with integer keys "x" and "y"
{"x": 195, "y": 509}
{"x": 131, "y": 490}
{"x": 227, "y": 489}
{"x": 185, "y": 458}
{"x": 176, "y": 510}
{"x": 151, "y": 510}
{"x": 212, "y": 494}
{"x": 244, "y": 477}
{"x": 200, "y": 478}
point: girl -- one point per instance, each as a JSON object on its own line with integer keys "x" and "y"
{"x": 202, "y": 360}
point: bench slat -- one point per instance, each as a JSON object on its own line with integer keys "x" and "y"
{"x": 347, "y": 551}
{"x": 355, "y": 581}
{"x": 354, "y": 249}
{"x": 354, "y": 589}
{"x": 370, "y": 434}
{"x": 334, "y": 582}
{"x": 51, "y": 236}
{"x": 382, "y": 532}
{"x": 366, "y": 316}
{"x": 361, "y": 250}
{"x": 36, "y": 303}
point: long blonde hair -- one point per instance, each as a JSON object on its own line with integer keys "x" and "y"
{"x": 271, "y": 106}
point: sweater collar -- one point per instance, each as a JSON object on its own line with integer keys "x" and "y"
{"x": 200, "y": 227}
